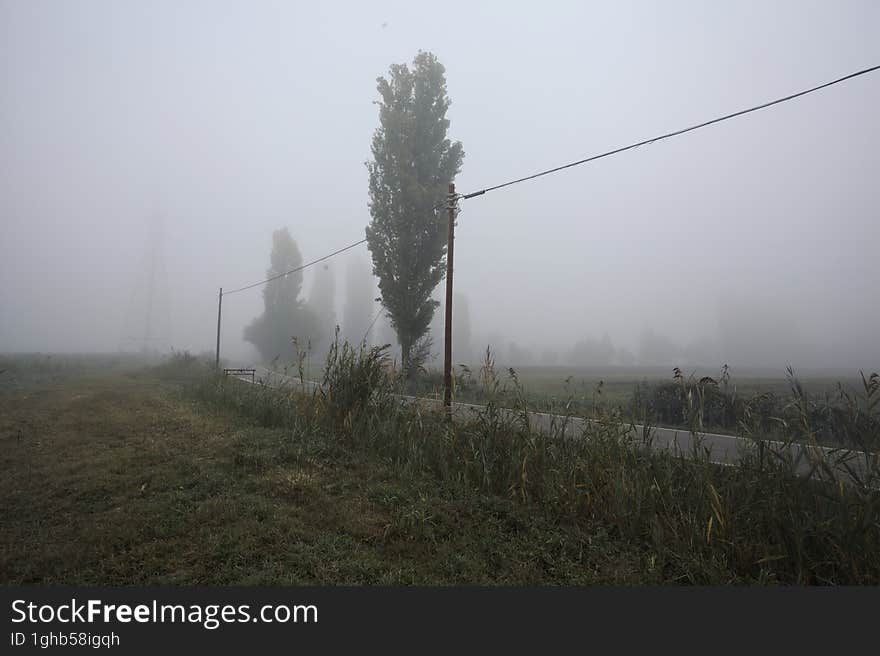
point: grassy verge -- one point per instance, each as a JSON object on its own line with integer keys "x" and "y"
{"x": 118, "y": 479}
{"x": 687, "y": 519}
{"x": 124, "y": 479}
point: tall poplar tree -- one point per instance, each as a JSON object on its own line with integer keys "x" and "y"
{"x": 413, "y": 163}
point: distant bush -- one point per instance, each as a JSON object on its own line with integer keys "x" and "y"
{"x": 183, "y": 365}
{"x": 845, "y": 419}
{"x": 704, "y": 402}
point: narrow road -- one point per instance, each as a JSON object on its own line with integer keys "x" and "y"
{"x": 848, "y": 465}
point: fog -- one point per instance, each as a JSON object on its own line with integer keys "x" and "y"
{"x": 165, "y": 141}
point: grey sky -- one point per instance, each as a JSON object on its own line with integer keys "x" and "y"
{"x": 231, "y": 119}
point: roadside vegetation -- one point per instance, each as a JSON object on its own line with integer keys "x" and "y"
{"x": 174, "y": 475}
{"x": 124, "y": 478}
{"x": 690, "y": 520}
{"x": 768, "y": 408}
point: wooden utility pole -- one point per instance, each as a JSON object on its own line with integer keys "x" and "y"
{"x": 219, "y": 308}
{"x": 447, "y": 359}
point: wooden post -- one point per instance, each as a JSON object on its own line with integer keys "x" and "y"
{"x": 219, "y": 308}
{"x": 447, "y": 359}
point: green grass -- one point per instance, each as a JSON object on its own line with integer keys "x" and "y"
{"x": 171, "y": 476}
{"x": 757, "y": 399}
{"x": 764, "y": 406}
{"x": 614, "y": 384}
{"x": 118, "y": 480}
{"x": 690, "y": 520}
{"x": 25, "y": 370}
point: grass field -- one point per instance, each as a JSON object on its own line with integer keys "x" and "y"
{"x": 123, "y": 474}
{"x": 590, "y": 391}
{"x": 613, "y": 386}
{"x": 756, "y": 402}
{"x": 112, "y": 477}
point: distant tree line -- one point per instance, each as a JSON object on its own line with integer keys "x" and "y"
{"x": 412, "y": 165}
{"x": 289, "y": 320}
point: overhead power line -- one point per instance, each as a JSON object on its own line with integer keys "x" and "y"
{"x": 451, "y": 200}
{"x": 299, "y": 268}
{"x": 669, "y": 134}
{"x": 592, "y": 158}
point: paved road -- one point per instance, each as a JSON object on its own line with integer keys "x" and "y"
{"x": 722, "y": 449}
